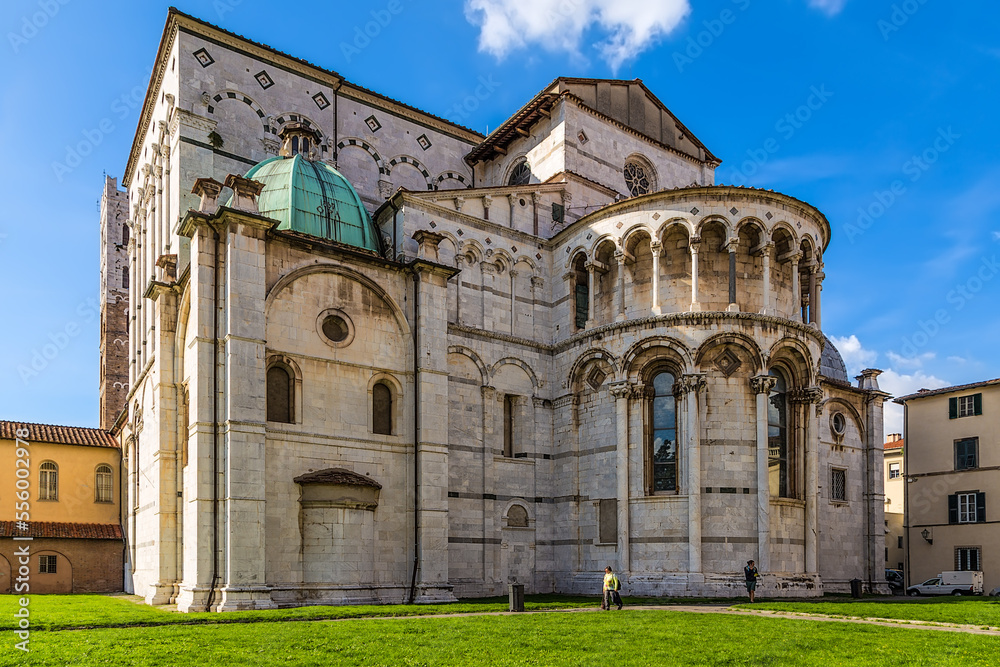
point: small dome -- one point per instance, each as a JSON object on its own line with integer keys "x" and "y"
{"x": 831, "y": 364}
{"x": 311, "y": 197}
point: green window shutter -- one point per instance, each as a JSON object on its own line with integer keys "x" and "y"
{"x": 981, "y": 507}
{"x": 978, "y": 400}
{"x": 953, "y": 408}
{"x": 953, "y": 508}
{"x": 558, "y": 213}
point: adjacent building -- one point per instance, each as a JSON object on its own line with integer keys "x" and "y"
{"x": 952, "y": 472}
{"x": 374, "y": 356}
{"x": 894, "y": 476}
{"x": 68, "y": 517}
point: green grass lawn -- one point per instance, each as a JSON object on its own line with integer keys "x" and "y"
{"x": 970, "y": 611}
{"x": 633, "y": 637}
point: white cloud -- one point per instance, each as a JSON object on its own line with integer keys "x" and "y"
{"x": 828, "y": 7}
{"x": 996, "y": 236}
{"x": 900, "y": 385}
{"x": 856, "y": 357}
{"x": 910, "y": 362}
{"x": 957, "y": 360}
{"x": 630, "y": 26}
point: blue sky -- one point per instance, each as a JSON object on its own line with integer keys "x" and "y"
{"x": 881, "y": 114}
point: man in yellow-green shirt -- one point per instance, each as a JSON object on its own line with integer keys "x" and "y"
{"x": 611, "y": 587}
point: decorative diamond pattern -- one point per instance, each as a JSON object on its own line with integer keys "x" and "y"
{"x": 734, "y": 210}
{"x": 768, "y": 215}
{"x": 460, "y": 233}
{"x": 203, "y": 58}
{"x": 321, "y": 101}
{"x": 373, "y": 124}
{"x": 619, "y": 225}
{"x": 264, "y": 79}
{"x": 694, "y": 211}
{"x": 423, "y": 142}
{"x": 656, "y": 216}
{"x": 433, "y": 224}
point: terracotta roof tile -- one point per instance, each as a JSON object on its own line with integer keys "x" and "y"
{"x": 924, "y": 393}
{"x": 80, "y": 531}
{"x": 64, "y": 435}
{"x": 898, "y": 444}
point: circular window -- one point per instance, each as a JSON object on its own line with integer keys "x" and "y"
{"x": 521, "y": 174}
{"x": 839, "y": 423}
{"x": 636, "y": 178}
{"x": 335, "y": 327}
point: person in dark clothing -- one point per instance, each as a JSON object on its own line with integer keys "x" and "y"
{"x": 751, "y": 575}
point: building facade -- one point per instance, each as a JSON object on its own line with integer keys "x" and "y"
{"x": 378, "y": 357}
{"x": 952, "y": 464}
{"x": 895, "y": 473}
{"x": 68, "y": 516}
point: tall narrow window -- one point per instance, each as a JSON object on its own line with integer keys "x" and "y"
{"x": 966, "y": 453}
{"x": 838, "y": 485}
{"x": 967, "y": 507}
{"x": 279, "y": 395}
{"x": 777, "y": 438}
{"x": 581, "y": 293}
{"x": 664, "y": 433}
{"x": 381, "y": 409}
{"x": 124, "y": 234}
{"x": 508, "y": 425}
{"x": 103, "y": 484}
{"x": 48, "y": 481}
{"x": 125, "y": 277}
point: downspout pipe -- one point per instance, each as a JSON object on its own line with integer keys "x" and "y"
{"x": 215, "y": 426}
{"x": 416, "y": 436}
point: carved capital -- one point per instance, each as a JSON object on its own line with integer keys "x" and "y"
{"x": 655, "y": 247}
{"x": 567, "y": 197}
{"x": 537, "y": 281}
{"x": 694, "y": 243}
{"x": 459, "y": 202}
{"x": 621, "y": 390}
{"x": 536, "y": 197}
{"x": 763, "y": 384}
{"x": 806, "y": 395}
{"x": 538, "y": 402}
{"x": 693, "y": 382}
{"x": 487, "y": 201}
{"x": 488, "y": 391}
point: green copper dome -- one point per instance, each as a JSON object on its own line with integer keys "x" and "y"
{"x": 311, "y": 197}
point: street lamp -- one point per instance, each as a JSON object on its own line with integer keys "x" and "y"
{"x": 926, "y": 534}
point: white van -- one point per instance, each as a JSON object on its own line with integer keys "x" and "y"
{"x": 950, "y": 583}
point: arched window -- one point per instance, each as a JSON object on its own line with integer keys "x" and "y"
{"x": 124, "y": 234}
{"x": 381, "y": 409}
{"x": 520, "y": 174}
{"x": 663, "y": 434}
{"x": 48, "y": 481}
{"x": 777, "y": 437}
{"x": 279, "y": 395}
{"x": 125, "y": 277}
{"x": 517, "y": 517}
{"x": 508, "y": 425}
{"x": 103, "y": 484}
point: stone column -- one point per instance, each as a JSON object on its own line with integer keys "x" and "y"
{"x": 810, "y": 396}
{"x": 620, "y": 292}
{"x": 513, "y": 300}
{"x": 692, "y": 385}
{"x": 796, "y": 288}
{"x": 655, "y": 247}
{"x": 591, "y": 316}
{"x": 567, "y": 199}
{"x": 765, "y": 254}
{"x": 487, "y": 429}
{"x": 459, "y": 264}
{"x": 535, "y": 198}
{"x": 874, "y": 497}
{"x": 536, "y": 285}
{"x": 732, "y": 245}
{"x": 621, "y": 391}
{"x": 487, "y": 202}
{"x": 762, "y": 386}
{"x": 694, "y": 244}
{"x": 512, "y": 199}
{"x": 813, "y": 300}
{"x": 817, "y": 298}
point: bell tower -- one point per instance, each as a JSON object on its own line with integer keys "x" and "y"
{"x": 115, "y": 235}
